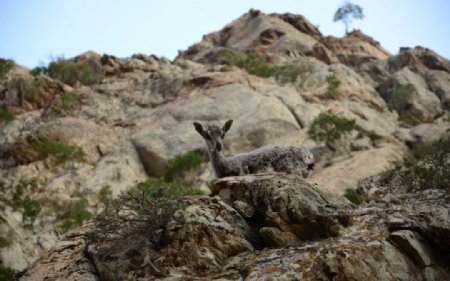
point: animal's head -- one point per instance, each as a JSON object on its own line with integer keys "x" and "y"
{"x": 213, "y": 135}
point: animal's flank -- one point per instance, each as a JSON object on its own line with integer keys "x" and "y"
{"x": 274, "y": 158}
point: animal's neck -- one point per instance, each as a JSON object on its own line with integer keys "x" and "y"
{"x": 218, "y": 162}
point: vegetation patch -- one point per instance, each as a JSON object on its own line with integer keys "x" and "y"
{"x": 401, "y": 102}
{"x": 144, "y": 209}
{"x": 6, "y": 273}
{"x": 329, "y": 128}
{"x": 64, "y": 105}
{"x": 76, "y": 215}
{"x": 179, "y": 165}
{"x": 20, "y": 198}
{"x": 6, "y": 116}
{"x": 59, "y": 152}
{"x": 351, "y": 196}
{"x": 68, "y": 72}
{"x": 105, "y": 195}
{"x": 428, "y": 167}
{"x": 5, "y": 66}
{"x": 258, "y": 66}
{"x": 333, "y": 85}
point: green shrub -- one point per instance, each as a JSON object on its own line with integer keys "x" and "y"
{"x": 333, "y": 85}
{"x": 149, "y": 205}
{"x": 35, "y": 72}
{"x": 70, "y": 72}
{"x": 64, "y": 105}
{"x": 400, "y": 101}
{"x": 351, "y": 196}
{"x": 413, "y": 117}
{"x": 105, "y": 194}
{"x": 401, "y": 96}
{"x": 6, "y": 116}
{"x": 329, "y": 128}
{"x": 76, "y": 215}
{"x": 6, "y": 273}
{"x": 427, "y": 168}
{"x": 59, "y": 152}
{"x": 5, "y": 66}
{"x": 21, "y": 199}
{"x": 258, "y": 66}
{"x": 180, "y": 164}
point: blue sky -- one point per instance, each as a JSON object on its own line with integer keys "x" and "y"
{"x": 34, "y": 31}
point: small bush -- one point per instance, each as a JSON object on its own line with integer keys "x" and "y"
{"x": 35, "y": 72}
{"x": 59, "y": 152}
{"x": 6, "y": 116}
{"x": 21, "y": 199}
{"x": 333, "y": 85}
{"x": 77, "y": 215}
{"x": 6, "y": 273}
{"x": 258, "y": 66}
{"x": 413, "y": 117}
{"x": 5, "y": 66}
{"x": 427, "y": 168}
{"x": 144, "y": 209}
{"x": 105, "y": 195}
{"x": 329, "y": 128}
{"x": 64, "y": 105}
{"x": 351, "y": 196}
{"x": 401, "y": 97}
{"x": 180, "y": 164}
{"x": 70, "y": 72}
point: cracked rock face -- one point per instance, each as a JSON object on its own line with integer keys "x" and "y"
{"x": 264, "y": 237}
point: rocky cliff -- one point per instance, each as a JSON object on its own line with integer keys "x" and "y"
{"x": 70, "y": 141}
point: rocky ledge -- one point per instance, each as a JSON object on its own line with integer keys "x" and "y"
{"x": 272, "y": 227}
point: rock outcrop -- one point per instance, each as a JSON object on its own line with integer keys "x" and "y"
{"x": 274, "y": 226}
{"x": 136, "y": 115}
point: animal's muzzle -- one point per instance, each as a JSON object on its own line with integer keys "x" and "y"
{"x": 311, "y": 166}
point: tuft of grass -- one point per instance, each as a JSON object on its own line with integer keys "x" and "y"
{"x": 5, "y": 66}
{"x": 105, "y": 194}
{"x": 68, "y": 72}
{"x": 21, "y": 199}
{"x": 351, "y": 196}
{"x": 76, "y": 215}
{"x": 59, "y": 152}
{"x": 401, "y": 102}
{"x": 182, "y": 163}
{"x": 6, "y": 273}
{"x": 329, "y": 128}
{"x": 333, "y": 85}
{"x": 6, "y": 116}
{"x": 64, "y": 105}
{"x": 258, "y": 66}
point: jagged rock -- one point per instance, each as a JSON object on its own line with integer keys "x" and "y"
{"x": 407, "y": 92}
{"x": 298, "y": 211}
{"x": 439, "y": 83}
{"x": 67, "y": 261}
{"x": 356, "y": 48}
{"x": 348, "y": 171}
{"x": 418, "y": 59}
{"x": 22, "y": 93}
{"x": 211, "y": 240}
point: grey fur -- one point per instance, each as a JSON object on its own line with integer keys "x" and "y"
{"x": 272, "y": 158}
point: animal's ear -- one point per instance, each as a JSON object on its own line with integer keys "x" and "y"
{"x": 199, "y": 128}
{"x": 226, "y": 127}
